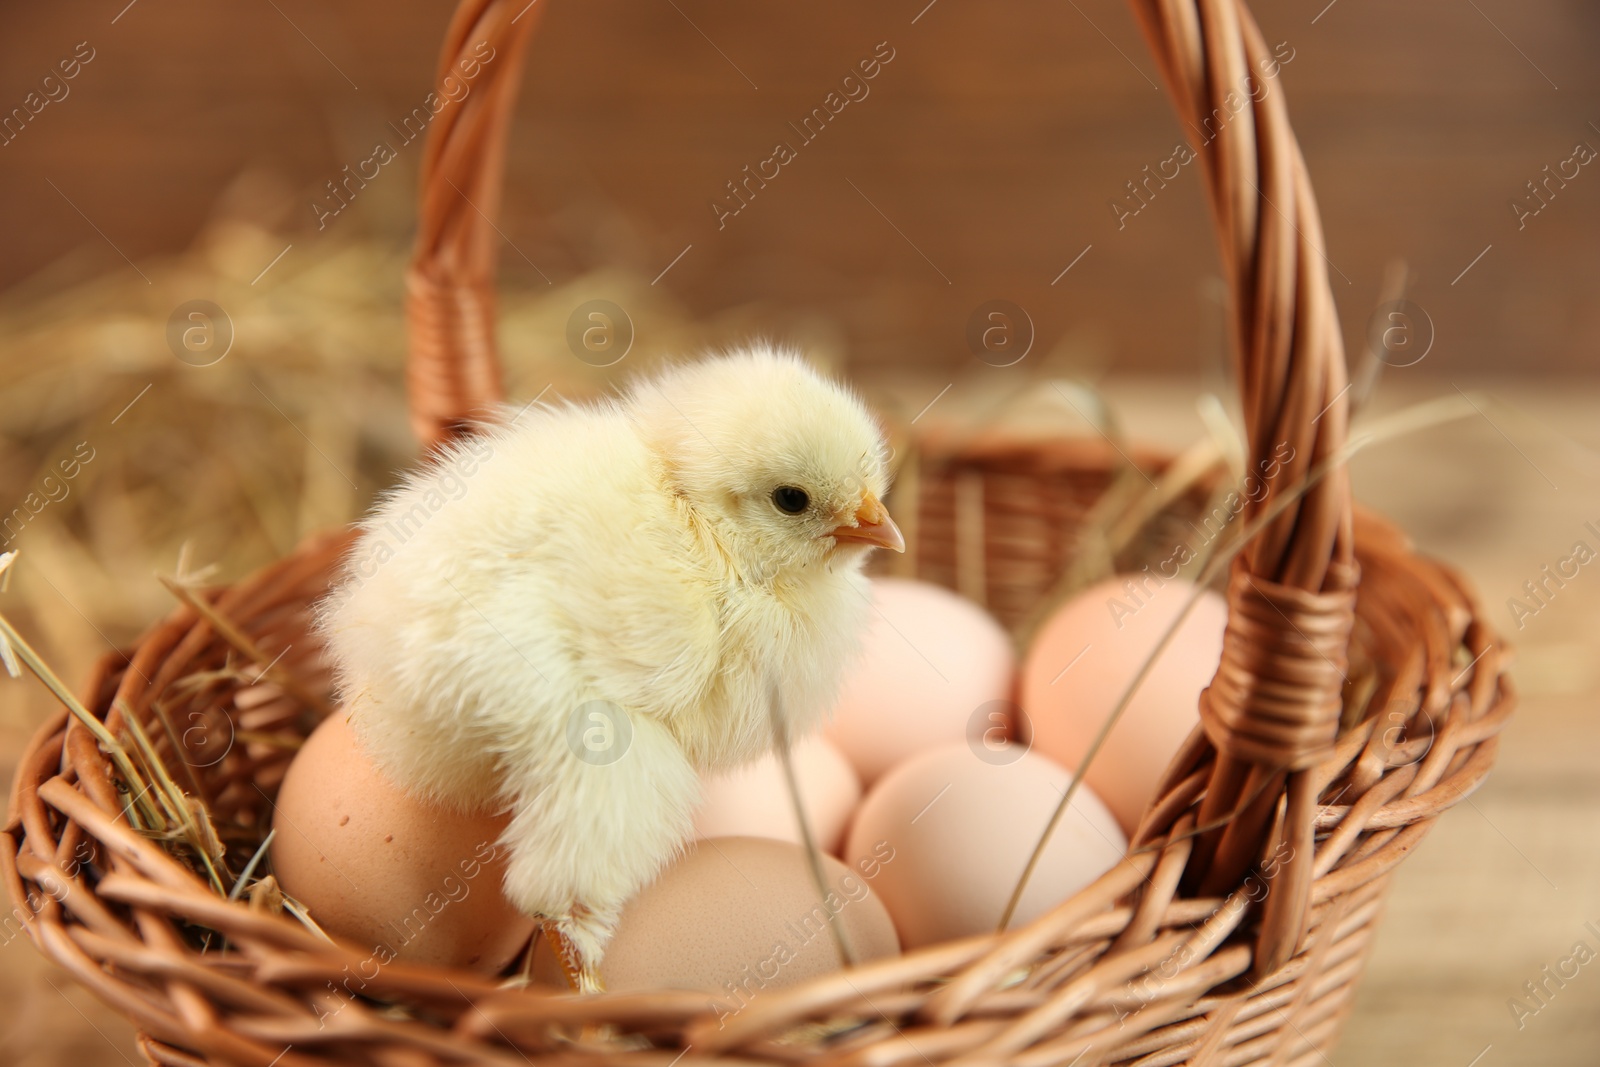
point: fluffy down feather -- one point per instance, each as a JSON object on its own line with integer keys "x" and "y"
{"x": 626, "y": 567}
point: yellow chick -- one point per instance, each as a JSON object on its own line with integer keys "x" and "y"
{"x": 572, "y": 613}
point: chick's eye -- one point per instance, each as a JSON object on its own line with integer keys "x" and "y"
{"x": 790, "y": 499}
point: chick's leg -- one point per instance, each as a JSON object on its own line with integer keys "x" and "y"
{"x": 591, "y": 827}
{"x": 563, "y": 938}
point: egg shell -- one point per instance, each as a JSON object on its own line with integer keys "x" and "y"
{"x": 1114, "y": 626}
{"x": 934, "y": 669}
{"x": 754, "y": 800}
{"x": 959, "y": 829}
{"x": 406, "y": 878}
{"x": 735, "y": 916}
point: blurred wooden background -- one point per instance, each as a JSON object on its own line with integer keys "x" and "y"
{"x": 982, "y": 163}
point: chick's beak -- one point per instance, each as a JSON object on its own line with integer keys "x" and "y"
{"x": 871, "y": 526}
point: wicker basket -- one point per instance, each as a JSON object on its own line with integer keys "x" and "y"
{"x": 1233, "y": 933}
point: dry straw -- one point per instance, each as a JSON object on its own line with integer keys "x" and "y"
{"x": 1233, "y": 932}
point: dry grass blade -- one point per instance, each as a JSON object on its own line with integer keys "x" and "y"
{"x": 187, "y": 819}
{"x": 1116, "y": 529}
{"x": 141, "y": 812}
{"x": 175, "y": 740}
{"x": 237, "y": 638}
{"x": 250, "y": 868}
{"x": 155, "y": 804}
{"x": 7, "y": 655}
{"x": 298, "y": 910}
{"x": 266, "y": 896}
{"x": 1190, "y": 467}
{"x": 171, "y": 806}
{"x": 808, "y": 842}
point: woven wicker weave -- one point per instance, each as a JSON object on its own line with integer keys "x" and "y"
{"x": 1238, "y": 944}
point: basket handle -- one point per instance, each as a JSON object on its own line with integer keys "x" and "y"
{"x": 1272, "y": 711}
{"x": 453, "y": 365}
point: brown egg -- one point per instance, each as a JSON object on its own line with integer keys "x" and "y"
{"x": 951, "y": 830}
{"x": 754, "y": 800}
{"x": 735, "y": 916}
{"x": 934, "y": 668}
{"x": 408, "y": 879}
{"x": 1085, "y": 656}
